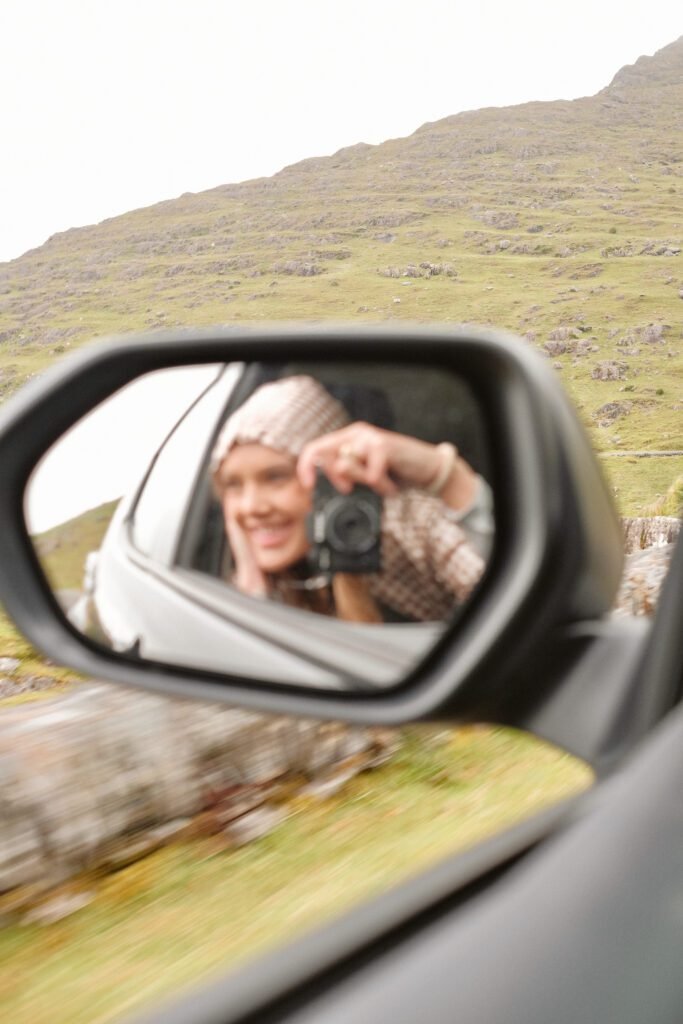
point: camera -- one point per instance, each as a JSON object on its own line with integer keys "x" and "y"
{"x": 344, "y": 529}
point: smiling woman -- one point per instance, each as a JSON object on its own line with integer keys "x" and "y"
{"x": 385, "y": 537}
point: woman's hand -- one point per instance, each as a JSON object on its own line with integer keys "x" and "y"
{"x": 363, "y": 454}
{"x": 247, "y": 576}
{"x": 386, "y": 462}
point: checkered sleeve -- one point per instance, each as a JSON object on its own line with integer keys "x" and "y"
{"x": 428, "y": 561}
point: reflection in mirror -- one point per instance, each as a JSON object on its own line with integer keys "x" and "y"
{"x": 317, "y": 525}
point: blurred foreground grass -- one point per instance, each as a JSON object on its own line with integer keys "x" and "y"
{"x": 197, "y": 909}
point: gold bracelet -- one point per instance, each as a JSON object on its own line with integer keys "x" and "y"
{"x": 449, "y": 454}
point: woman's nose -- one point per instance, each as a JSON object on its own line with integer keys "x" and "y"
{"x": 254, "y": 500}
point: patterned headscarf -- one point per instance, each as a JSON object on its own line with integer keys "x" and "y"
{"x": 284, "y": 414}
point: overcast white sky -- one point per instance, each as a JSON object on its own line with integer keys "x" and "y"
{"x": 105, "y": 455}
{"x": 111, "y": 106}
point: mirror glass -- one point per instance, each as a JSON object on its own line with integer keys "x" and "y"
{"x": 310, "y": 524}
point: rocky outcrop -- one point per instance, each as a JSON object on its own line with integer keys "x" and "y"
{"x": 609, "y": 369}
{"x": 103, "y": 776}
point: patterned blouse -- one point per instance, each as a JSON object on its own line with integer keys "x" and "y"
{"x": 428, "y": 565}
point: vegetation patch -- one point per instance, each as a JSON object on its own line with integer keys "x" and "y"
{"x": 196, "y": 909}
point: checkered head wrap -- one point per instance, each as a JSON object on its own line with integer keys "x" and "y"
{"x": 284, "y": 414}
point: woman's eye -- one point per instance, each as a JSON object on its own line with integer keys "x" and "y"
{"x": 279, "y": 475}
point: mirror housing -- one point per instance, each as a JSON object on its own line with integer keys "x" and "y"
{"x": 557, "y": 556}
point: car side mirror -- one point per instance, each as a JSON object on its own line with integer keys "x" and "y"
{"x": 541, "y": 553}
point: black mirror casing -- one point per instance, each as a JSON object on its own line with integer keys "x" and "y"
{"x": 554, "y": 569}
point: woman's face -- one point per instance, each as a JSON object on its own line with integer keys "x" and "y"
{"x": 263, "y": 498}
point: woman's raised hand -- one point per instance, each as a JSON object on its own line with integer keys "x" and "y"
{"x": 363, "y": 454}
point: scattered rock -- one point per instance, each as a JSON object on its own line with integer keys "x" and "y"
{"x": 131, "y": 848}
{"x": 299, "y": 268}
{"x": 607, "y": 414}
{"x": 58, "y": 908}
{"x": 13, "y": 687}
{"x": 661, "y": 249}
{"x": 254, "y": 825}
{"x": 587, "y": 271}
{"x": 333, "y": 254}
{"x": 559, "y": 348}
{"x": 609, "y": 369}
{"x": 649, "y": 334}
{"x": 495, "y": 218}
{"x": 322, "y": 789}
{"x": 425, "y": 269}
{"x": 437, "y": 269}
{"x": 564, "y": 333}
{"x": 617, "y": 250}
{"x": 395, "y": 220}
{"x": 652, "y": 334}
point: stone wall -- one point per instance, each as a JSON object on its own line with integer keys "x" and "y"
{"x": 649, "y": 544}
{"x": 102, "y": 776}
{"x": 646, "y": 532}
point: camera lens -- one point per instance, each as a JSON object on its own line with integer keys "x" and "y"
{"x": 352, "y": 525}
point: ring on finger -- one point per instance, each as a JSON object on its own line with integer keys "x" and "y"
{"x": 347, "y": 451}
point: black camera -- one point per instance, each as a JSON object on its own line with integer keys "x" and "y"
{"x": 344, "y": 529}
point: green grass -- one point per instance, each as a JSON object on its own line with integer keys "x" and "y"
{"x": 63, "y": 549}
{"x": 669, "y": 503}
{"x": 14, "y": 645}
{"x": 644, "y": 487}
{"x": 191, "y": 910}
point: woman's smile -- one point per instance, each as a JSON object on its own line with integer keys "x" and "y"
{"x": 270, "y": 536}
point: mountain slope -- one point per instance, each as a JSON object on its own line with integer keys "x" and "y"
{"x": 562, "y": 221}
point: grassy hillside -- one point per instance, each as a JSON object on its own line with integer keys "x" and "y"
{"x": 64, "y": 548}
{"x": 561, "y": 221}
